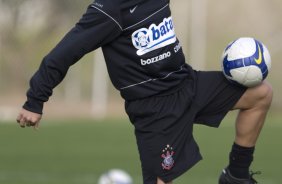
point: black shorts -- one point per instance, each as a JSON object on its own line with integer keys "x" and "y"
{"x": 164, "y": 123}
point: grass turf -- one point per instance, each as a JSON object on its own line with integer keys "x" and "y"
{"x": 79, "y": 151}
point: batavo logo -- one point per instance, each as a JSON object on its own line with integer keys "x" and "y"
{"x": 155, "y": 37}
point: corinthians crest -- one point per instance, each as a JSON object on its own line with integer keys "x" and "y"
{"x": 168, "y": 161}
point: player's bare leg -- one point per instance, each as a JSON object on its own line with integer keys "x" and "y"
{"x": 253, "y": 105}
{"x": 159, "y": 181}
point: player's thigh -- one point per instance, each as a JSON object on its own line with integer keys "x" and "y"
{"x": 259, "y": 95}
{"x": 159, "y": 181}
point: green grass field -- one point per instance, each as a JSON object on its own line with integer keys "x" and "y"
{"x": 77, "y": 152}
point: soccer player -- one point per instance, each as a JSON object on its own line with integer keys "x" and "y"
{"x": 163, "y": 95}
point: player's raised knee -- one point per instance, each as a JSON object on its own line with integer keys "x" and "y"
{"x": 256, "y": 97}
{"x": 264, "y": 93}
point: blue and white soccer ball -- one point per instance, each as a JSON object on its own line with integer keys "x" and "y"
{"x": 115, "y": 176}
{"x": 246, "y": 61}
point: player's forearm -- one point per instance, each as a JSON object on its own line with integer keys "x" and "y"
{"x": 53, "y": 69}
{"x": 92, "y": 31}
{"x": 48, "y": 76}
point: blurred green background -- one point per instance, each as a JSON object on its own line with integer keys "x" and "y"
{"x": 75, "y": 144}
{"x": 79, "y": 151}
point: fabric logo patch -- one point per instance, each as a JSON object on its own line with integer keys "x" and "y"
{"x": 154, "y": 37}
{"x": 168, "y": 161}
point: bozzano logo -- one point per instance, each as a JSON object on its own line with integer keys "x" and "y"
{"x": 155, "y": 37}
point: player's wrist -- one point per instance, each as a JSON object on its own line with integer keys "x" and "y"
{"x": 34, "y": 105}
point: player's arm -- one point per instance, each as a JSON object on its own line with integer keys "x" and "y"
{"x": 94, "y": 30}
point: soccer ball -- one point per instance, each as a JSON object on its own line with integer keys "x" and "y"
{"x": 246, "y": 61}
{"x": 115, "y": 176}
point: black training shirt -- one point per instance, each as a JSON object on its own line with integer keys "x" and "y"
{"x": 142, "y": 53}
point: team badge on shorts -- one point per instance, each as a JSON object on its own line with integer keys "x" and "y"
{"x": 168, "y": 161}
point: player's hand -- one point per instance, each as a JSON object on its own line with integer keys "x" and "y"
{"x": 29, "y": 119}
